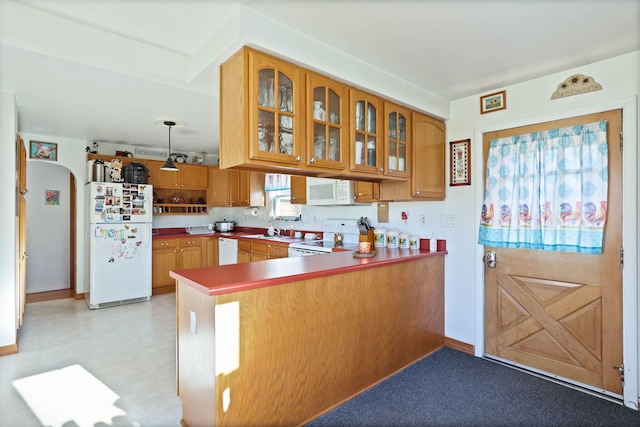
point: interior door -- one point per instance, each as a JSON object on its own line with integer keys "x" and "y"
{"x": 21, "y": 189}
{"x": 561, "y": 312}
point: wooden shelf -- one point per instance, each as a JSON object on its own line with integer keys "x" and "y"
{"x": 179, "y": 209}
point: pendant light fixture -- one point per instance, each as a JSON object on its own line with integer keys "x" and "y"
{"x": 169, "y": 165}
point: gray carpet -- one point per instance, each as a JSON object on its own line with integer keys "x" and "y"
{"x": 450, "y": 388}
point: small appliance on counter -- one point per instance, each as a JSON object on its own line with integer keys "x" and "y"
{"x": 135, "y": 173}
{"x": 225, "y": 226}
{"x": 335, "y": 233}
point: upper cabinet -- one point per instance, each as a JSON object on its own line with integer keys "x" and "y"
{"x": 282, "y": 118}
{"x": 261, "y": 114}
{"x": 235, "y": 188}
{"x": 365, "y": 133}
{"x": 327, "y": 120}
{"x": 428, "y": 160}
{"x": 397, "y": 138}
{"x": 191, "y": 177}
{"x": 427, "y": 179}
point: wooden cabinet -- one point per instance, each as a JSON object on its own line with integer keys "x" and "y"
{"x": 327, "y": 118}
{"x": 261, "y": 120}
{"x": 365, "y": 133}
{"x": 219, "y": 193}
{"x": 164, "y": 258}
{"x": 211, "y": 254}
{"x": 277, "y": 117}
{"x": 427, "y": 180}
{"x": 259, "y": 251}
{"x": 298, "y": 190}
{"x": 246, "y": 188}
{"x": 174, "y": 254}
{"x": 187, "y": 177}
{"x": 235, "y": 188}
{"x": 244, "y": 251}
{"x": 366, "y": 192}
{"x": 251, "y": 250}
{"x": 397, "y": 141}
{"x": 428, "y": 160}
{"x": 181, "y": 192}
{"x": 278, "y": 251}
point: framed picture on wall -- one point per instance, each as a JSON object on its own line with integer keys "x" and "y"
{"x": 43, "y": 150}
{"x": 493, "y": 102}
{"x": 460, "y": 163}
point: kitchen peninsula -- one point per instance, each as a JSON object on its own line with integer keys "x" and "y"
{"x": 282, "y": 341}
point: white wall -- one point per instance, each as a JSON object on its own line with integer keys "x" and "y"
{"x": 48, "y": 227}
{"x": 72, "y": 156}
{"x": 8, "y": 296}
{"x": 529, "y": 103}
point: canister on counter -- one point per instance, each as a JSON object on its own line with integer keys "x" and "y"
{"x": 403, "y": 241}
{"x": 392, "y": 239}
{"x": 379, "y": 237}
{"x": 414, "y": 242}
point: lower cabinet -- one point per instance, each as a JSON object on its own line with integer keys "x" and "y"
{"x": 278, "y": 251}
{"x": 249, "y": 251}
{"x": 244, "y": 251}
{"x": 175, "y": 254}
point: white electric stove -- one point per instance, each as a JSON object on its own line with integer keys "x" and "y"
{"x": 346, "y": 228}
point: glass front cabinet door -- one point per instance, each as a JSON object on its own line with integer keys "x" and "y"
{"x": 326, "y": 123}
{"x": 275, "y": 120}
{"x": 366, "y": 141}
{"x": 397, "y": 130}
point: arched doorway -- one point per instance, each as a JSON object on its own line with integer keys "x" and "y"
{"x": 51, "y": 232}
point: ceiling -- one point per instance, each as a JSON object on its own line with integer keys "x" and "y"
{"x": 105, "y": 70}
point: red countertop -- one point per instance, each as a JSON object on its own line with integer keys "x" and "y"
{"x": 241, "y": 277}
{"x": 238, "y": 233}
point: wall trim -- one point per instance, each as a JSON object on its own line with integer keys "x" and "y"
{"x": 6, "y": 350}
{"x": 459, "y": 345}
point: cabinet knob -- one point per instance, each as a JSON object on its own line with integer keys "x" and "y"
{"x": 312, "y": 160}
{"x": 388, "y": 171}
{"x": 298, "y": 158}
{"x": 416, "y": 193}
{"x": 380, "y": 170}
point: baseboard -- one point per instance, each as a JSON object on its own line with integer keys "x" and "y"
{"x": 6, "y": 350}
{"x": 459, "y": 345}
{"x": 79, "y": 295}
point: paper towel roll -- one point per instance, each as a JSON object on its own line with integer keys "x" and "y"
{"x": 251, "y": 212}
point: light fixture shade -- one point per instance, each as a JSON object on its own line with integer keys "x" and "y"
{"x": 169, "y": 166}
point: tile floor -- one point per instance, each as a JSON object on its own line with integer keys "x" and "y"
{"x": 130, "y": 349}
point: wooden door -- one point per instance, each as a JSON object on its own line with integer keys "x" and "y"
{"x": 193, "y": 176}
{"x": 191, "y": 257}
{"x": 219, "y": 188}
{"x": 561, "y": 312}
{"x": 160, "y": 178}
{"x": 21, "y": 175}
{"x": 298, "y": 190}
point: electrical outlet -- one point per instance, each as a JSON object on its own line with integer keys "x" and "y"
{"x": 423, "y": 220}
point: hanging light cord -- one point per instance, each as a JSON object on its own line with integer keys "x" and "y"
{"x": 169, "y": 164}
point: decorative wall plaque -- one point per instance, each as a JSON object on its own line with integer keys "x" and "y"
{"x": 576, "y": 85}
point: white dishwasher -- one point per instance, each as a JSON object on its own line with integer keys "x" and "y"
{"x": 227, "y": 251}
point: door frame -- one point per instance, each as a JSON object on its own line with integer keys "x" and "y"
{"x": 630, "y": 209}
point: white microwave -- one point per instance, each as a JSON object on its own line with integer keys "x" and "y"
{"x": 323, "y": 191}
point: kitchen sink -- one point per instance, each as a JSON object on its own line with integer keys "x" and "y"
{"x": 262, "y": 236}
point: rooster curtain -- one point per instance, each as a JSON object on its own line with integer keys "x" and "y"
{"x": 547, "y": 190}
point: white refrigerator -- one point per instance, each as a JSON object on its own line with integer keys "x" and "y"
{"x": 118, "y": 243}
